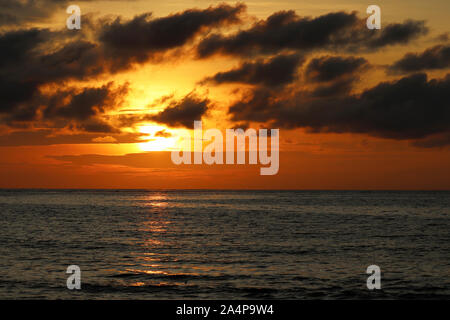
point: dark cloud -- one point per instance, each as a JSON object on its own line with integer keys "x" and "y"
{"x": 329, "y": 68}
{"x": 18, "y": 45}
{"x": 83, "y": 109}
{"x": 437, "y": 57}
{"x": 77, "y": 60}
{"x": 142, "y": 36}
{"x": 36, "y": 66}
{"x": 410, "y": 108}
{"x": 19, "y": 12}
{"x": 335, "y": 88}
{"x": 83, "y": 104}
{"x": 77, "y": 109}
{"x": 49, "y": 137}
{"x": 286, "y": 31}
{"x": 7, "y": 19}
{"x": 443, "y": 37}
{"x": 27, "y": 68}
{"x": 276, "y": 71}
{"x": 31, "y": 59}
{"x": 24, "y": 68}
{"x": 15, "y": 85}
{"x": 183, "y": 113}
{"x": 398, "y": 33}
{"x": 434, "y": 141}
{"x": 281, "y": 30}
{"x": 16, "y": 12}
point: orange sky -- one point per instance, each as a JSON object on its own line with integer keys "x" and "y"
{"x": 326, "y": 160}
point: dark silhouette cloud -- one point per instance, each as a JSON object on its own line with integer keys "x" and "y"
{"x": 17, "y": 12}
{"x": 33, "y": 58}
{"x": 84, "y": 104}
{"x": 24, "y": 67}
{"x": 50, "y": 137}
{"x": 281, "y": 30}
{"x": 443, "y": 37}
{"x": 335, "y": 88}
{"x": 398, "y": 33}
{"x": 20, "y": 12}
{"x": 334, "y": 31}
{"x": 410, "y": 108}
{"x": 329, "y": 68}
{"x": 18, "y": 45}
{"x": 142, "y": 36}
{"x": 437, "y": 57}
{"x": 434, "y": 141}
{"x": 38, "y": 65}
{"x": 78, "y": 109}
{"x": 183, "y": 113}
{"x": 276, "y": 71}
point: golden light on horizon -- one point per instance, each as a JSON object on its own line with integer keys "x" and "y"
{"x": 160, "y": 138}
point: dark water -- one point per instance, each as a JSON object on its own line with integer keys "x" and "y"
{"x": 224, "y": 244}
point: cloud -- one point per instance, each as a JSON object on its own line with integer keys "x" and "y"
{"x": 183, "y": 113}
{"x": 33, "y": 60}
{"x": 85, "y": 103}
{"x": 437, "y": 57}
{"x": 25, "y": 68}
{"x": 335, "y": 88}
{"x": 24, "y": 12}
{"x": 398, "y": 33}
{"x": 106, "y": 139}
{"x": 443, "y": 37}
{"x": 435, "y": 141}
{"x": 37, "y": 67}
{"x": 15, "y": 12}
{"x": 281, "y": 30}
{"x": 278, "y": 70}
{"x": 329, "y": 68}
{"x": 78, "y": 109}
{"x": 139, "y": 38}
{"x": 43, "y": 137}
{"x": 285, "y": 30}
{"x": 409, "y": 108}
{"x": 17, "y": 45}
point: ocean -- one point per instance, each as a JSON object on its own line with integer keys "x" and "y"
{"x": 143, "y": 244}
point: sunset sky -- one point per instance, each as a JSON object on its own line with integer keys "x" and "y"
{"x": 102, "y": 107}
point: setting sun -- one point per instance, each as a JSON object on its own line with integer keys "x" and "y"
{"x": 159, "y": 138}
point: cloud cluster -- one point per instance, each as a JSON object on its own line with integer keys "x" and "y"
{"x": 285, "y": 30}
{"x": 278, "y": 70}
{"x": 329, "y": 68}
{"x": 299, "y": 72}
{"x": 32, "y": 60}
{"x": 410, "y": 108}
{"x": 437, "y": 57}
{"x": 143, "y": 36}
{"x": 183, "y": 113}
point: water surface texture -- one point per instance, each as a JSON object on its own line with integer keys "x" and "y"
{"x": 224, "y": 244}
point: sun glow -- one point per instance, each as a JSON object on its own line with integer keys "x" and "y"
{"x": 159, "y": 138}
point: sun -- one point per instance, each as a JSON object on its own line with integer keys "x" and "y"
{"x": 159, "y": 138}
